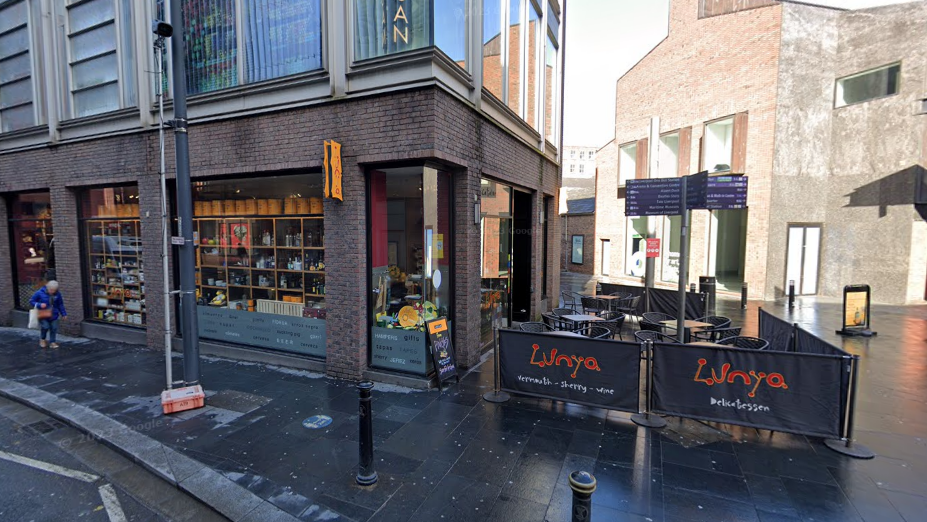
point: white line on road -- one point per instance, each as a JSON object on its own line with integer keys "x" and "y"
{"x": 111, "y": 503}
{"x": 51, "y": 468}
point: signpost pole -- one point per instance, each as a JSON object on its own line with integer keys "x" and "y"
{"x": 683, "y": 263}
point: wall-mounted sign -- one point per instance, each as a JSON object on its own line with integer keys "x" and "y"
{"x": 653, "y": 247}
{"x": 856, "y": 311}
{"x": 576, "y": 256}
{"x": 333, "y": 170}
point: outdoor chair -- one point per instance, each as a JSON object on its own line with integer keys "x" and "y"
{"x": 595, "y": 332}
{"x": 569, "y": 300}
{"x": 593, "y": 306}
{"x": 657, "y": 317}
{"x": 621, "y": 295}
{"x": 716, "y": 334}
{"x": 613, "y": 321}
{"x": 628, "y": 306}
{"x": 534, "y": 327}
{"x": 556, "y": 323}
{"x": 560, "y": 312}
{"x": 717, "y": 321}
{"x": 656, "y": 337}
{"x": 647, "y": 326}
{"x": 752, "y": 343}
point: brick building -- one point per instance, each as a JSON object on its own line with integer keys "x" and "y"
{"x": 439, "y": 171}
{"x": 577, "y": 222}
{"x": 798, "y": 98}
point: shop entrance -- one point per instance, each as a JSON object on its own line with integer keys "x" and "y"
{"x": 521, "y": 262}
{"x": 728, "y": 250}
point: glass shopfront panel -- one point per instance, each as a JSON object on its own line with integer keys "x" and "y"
{"x": 33, "y": 247}
{"x": 112, "y": 246}
{"x": 260, "y": 262}
{"x": 411, "y": 256}
{"x": 495, "y": 258}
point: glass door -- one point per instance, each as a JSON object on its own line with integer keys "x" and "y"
{"x": 495, "y": 258}
{"x": 802, "y": 258}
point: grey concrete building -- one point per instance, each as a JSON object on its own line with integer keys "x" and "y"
{"x": 448, "y": 118}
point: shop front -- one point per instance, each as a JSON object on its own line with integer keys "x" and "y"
{"x": 32, "y": 239}
{"x": 260, "y": 262}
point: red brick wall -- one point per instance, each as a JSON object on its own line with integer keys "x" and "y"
{"x": 705, "y": 69}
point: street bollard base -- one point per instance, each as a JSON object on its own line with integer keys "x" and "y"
{"x": 648, "y": 421}
{"x": 496, "y": 397}
{"x": 857, "y": 451}
{"x": 367, "y": 480}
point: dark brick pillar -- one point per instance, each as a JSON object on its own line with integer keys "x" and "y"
{"x": 7, "y": 291}
{"x": 68, "y": 256}
{"x": 467, "y": 276}
{"x": 346, "y": 276}
{"x": 149, "y": 199}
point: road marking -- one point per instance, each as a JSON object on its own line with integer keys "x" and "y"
{"x": 51, "y": 468}
{"x": 111, "y": 503}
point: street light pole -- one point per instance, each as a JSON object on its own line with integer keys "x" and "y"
{"x": 191, "y": 356}
{"x": 165, "y": 218}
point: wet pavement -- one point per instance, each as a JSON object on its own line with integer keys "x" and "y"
{"x": 453, "y": 456}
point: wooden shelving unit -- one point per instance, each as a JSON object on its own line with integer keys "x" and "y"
{"x": 116, "y": 273}
{"x": 261, "y": 257}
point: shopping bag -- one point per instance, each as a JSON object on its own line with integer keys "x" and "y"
{"x": 34, "y": 319}
{"x": 44, "y": 313}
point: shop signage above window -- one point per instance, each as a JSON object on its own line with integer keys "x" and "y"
{"x": 333, "y": 170}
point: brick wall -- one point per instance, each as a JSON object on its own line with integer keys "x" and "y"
{"x": 705, "y": 69}
{"x": 582, "y": 224}
{"x": 417, "y": 125}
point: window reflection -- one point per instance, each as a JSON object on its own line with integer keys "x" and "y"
{"x": 492, "y": 47}
{"x": 495, "y": 257}
{"x": 514, "y": 76}
{"x": 550, "y": 75}
{"x": 384, "y": 27}
{"x": 531, "y": 73}
{"x": 451, "y": 29}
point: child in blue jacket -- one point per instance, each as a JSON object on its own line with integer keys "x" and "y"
{"x": 47, "y": 298}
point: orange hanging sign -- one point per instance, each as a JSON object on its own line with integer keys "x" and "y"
{"x": 333, "y": 170}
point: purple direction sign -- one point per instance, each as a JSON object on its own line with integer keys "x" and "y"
{"x": 726, "y": 193}
{"x": 653, "y": 197}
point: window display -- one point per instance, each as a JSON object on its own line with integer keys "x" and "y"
{"x": 261, "y": 262}
{"x": 33, "y": 248}
{"x": 112, "y": 244}
{"x": 410, "y": 260}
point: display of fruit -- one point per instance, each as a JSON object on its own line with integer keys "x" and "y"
{"x": 408, "y": 316}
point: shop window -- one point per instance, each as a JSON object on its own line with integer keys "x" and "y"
{"x": 33, "y": 244}
{"x": 112, "y": 245}
{"x": 668, "y": 165}
{"x": 495, "y": 257}
{"x": 101, "y": 56}
{"x": 278, "y": 38}
{"x": 718, "y": 145}
{"x": 627, "y": 163}
{"x": 17, "y": 110}
{"x": 260, "y": 262}
{"x": 868, "y": 85}
{"x": 411, "y": 272}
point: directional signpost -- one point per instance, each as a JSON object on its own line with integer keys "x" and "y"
{"x": 664, "y": 197}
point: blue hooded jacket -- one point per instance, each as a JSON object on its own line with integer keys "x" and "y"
{"x": 43, "y": 297}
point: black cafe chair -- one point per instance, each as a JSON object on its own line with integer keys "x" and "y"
{"x": 647, "y": 326}
{"x": 657, "y": 317}
{"x": 751, "y": 343}
{"x": 628, "y": 306}
{"x": 569, "y": 300}
{"x": 560, "y": 312}
{"x": 555, "y": 322}
{"x": 714, "y": 335}
{"x": 595, "y": 332}
{"x": 716, "y": 321}
{"x": 613, "y": 321}
{"x": 657, "y": 337}
{"x": 593, "y": 306}
{"x": 534, "y": 327}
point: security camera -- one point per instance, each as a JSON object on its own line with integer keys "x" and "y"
{"x": 162, "y": 29}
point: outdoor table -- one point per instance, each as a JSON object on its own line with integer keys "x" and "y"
{"x": 705, "y": 343}
{"x": 581, "y": 319}
{"x": 610, "y": 300}
{"x": 688, "y": 326}
{"x": 565, "y": 333}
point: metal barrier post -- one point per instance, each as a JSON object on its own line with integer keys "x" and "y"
{"x": 791, "y": 294}
{"x": 496, "y": 395}
{"x": 845, "y": 446}
{"x": 692, "y": 287}
{"x": 366, "y": 475}
{"x": 583, "y": 485}
{"x": 743, "y": 296}
{"x": 645, "y": 419}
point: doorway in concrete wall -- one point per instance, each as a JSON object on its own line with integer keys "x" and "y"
{"x": 727, "y": 251}
{"x": 802, "y": 262}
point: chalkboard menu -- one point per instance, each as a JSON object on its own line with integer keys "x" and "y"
{"x": 653, "y": 197}
{"x": 442, "y": 350}
{"x": 727, "y": 193}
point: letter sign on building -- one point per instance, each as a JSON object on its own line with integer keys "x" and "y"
{"x": 332, "y": 175}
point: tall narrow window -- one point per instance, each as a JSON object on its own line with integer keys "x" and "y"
{"x": 32, "y": 244}
{"x": 282, "y": 37}
{"x": 550, "y": 79}
{"x": 868, "y": 85}
{"x": 719, "y": 145}
{"x": 668, "y": 165}
{"x": 516, "y": 11}
{"x": 492, "y": 47}
{"x": 451, "y": 29}
{"x": 211, "y": 45}
{"x": 627, "y": 163}
{"x": 532, "y": 58}
{"x": 16, "y": 107}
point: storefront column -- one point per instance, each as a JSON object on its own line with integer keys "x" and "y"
{"x": 346, "y": 276}
{"x": 468, "y": 268}
{"x": 149, "y": 200}
{"x": 7, "y": 298}
{"x": 68, "y": 257}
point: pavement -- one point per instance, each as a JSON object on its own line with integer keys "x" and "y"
{"x": 452, "y": 456}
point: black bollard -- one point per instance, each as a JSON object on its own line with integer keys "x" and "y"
{"x": 743, "y": 296}
{"x": 692, "y": 287}
{"x": 583, "y": 485}
{"x": 366, "y": 475}
{"x": 791, "y": 294}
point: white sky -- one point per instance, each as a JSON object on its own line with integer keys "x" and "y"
{"x": 621, "y": 31}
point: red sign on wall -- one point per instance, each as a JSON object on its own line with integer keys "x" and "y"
{"x": 653, "y": 247}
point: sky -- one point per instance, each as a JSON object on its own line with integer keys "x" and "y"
{"x": 604, "y": 39}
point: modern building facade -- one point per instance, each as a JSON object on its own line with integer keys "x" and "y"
{"x": 448, "y": 117}
{"x": 821, "y": 108}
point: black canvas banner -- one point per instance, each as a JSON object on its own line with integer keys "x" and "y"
{"x": 663, "y": 301}
{"x": 778, "y": 332}
{"x": 595, "y": 372}
{"x": 779, "y": 391}
{"x": 806, "y": 342}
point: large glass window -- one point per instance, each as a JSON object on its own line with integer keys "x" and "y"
{"x": 451, "y": 20}
{"x": 493, "y": 42}
{"x": 719, "y": 145}
{"x": 668, "y": 166}
{"x": 868, "y": 85}
{"x": 669, "y": 256}
{"x": 260, "y": 262}
{"x": 16, "y": 104}
{"x": 635, "y": 257}
{"x": 390, "y": 26}
{"x": 101, "y": 56}
{"x": 495, "y": 258}
{"x": 410, "y": 263}
{"x": 112, "y": 246}
{"x": 279, "y": 38}
{"x": 33, "y": 246}
{"x": 627, "y": 163}
{"x": 513, "y": 78}
{"x": 535, "y": 39}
